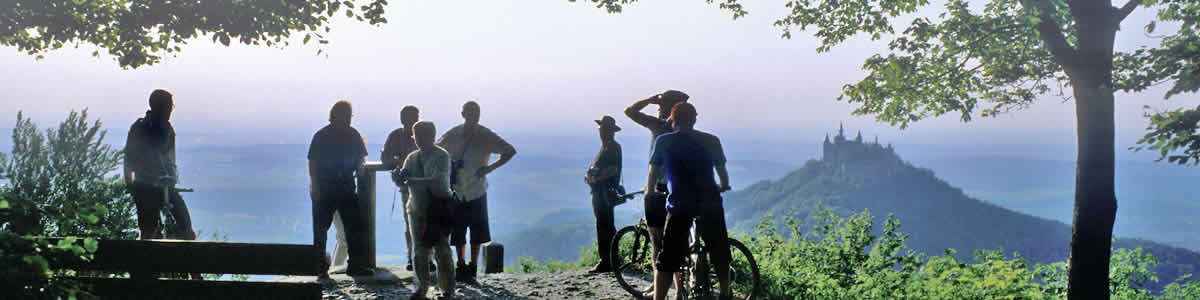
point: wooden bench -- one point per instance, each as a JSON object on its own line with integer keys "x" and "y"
{"x": 173, "y": 256}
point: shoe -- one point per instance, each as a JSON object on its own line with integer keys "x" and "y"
{"x": 408, "y": 267}
{"x": 600, "y": 268}
{"x": 460, "y": 273}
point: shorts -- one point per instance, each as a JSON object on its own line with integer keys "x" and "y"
{"x": 710, "y": 222}
{"x": 471, "y": 215}
{"x": 656, "y": 209}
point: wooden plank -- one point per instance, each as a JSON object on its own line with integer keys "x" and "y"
{"x": 202, "y": 257}
{"x": 117, "y": 288}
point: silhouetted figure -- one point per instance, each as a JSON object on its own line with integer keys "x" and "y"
{"x": 397, "y": 147}
{"x": 687, "y": 157}
{"x": 471, "y": 146}
{"x": 604, "y": 177}
{"x": 150, "y": 167}
{"x": 426, "y": 173}
{"x": 335, "y": 157}
{"x": 656, "y": 205}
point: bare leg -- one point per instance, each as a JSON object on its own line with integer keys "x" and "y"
{"x": 446, "y": 273}
{"x": 462, "y": 254}
{"x": 474, "y": 253}
{"x": 662, "y": 283}
{"x": 656, "y": 234}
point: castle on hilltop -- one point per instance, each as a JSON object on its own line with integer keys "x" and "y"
{"x": 841, "y": 150}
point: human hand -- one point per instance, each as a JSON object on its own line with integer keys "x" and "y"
{"x": 656, "y": 99}
{"x": 726, "y": 188}
{"x": 652, "y": 194}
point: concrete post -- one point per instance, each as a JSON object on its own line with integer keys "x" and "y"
{"x": 366, "y": 200}
{"x": 493, "y": 258}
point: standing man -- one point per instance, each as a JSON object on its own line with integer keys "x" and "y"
{"x": 428, "y": 179}
{"x": 656, "y": 206}
{"x": 471, "y": 146}
{"x": 335, "y": 157}
{"x": 604, "y": 176}
{"x": 397, "y": 147}
{"x": 687, "y": 157}
{"x": 150, "y": 168}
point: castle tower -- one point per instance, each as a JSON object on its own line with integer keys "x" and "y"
{"x": 858, "y": 139}
{"x": 841, "y": 137}
{"x": 827, "y": 150}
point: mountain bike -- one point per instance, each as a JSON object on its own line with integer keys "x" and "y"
{"x": 169, "y": 222}
{"x": 630, "y": 257}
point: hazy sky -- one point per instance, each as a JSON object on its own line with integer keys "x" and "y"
{"x": 535, "y": 66}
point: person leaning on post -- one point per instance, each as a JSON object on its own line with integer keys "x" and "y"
{"x": 335, "y": 156}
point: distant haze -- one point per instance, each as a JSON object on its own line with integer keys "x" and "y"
{"x": 537, "y": 67}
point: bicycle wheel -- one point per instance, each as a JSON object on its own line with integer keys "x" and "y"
{"x": 631, "y": 259}
{"x": 743, "y": 274}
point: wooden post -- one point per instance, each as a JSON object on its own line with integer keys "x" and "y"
{"x": 366, "y": 200}
{"x": 493, "y": 258}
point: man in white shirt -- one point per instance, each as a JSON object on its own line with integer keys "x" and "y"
{"x": 471, "y": 146}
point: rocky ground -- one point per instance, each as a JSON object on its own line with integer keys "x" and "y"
{"x": 393, "y": 282}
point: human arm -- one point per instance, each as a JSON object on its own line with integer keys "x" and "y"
{"x": 634, "y": 111}
{"x": 312, "y": 180}
{"x": 652, "y": 181}
{"x": 498, "y": 145}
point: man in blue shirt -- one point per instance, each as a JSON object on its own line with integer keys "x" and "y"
{"x": 688, "y": 157}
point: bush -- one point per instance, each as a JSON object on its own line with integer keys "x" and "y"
{"x": 63, "y": 183}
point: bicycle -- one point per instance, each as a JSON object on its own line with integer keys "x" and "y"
{"x": 630, "y": 256}
{"x": 169, "y": 222}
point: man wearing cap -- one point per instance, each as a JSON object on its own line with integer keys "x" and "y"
{"x": 656, "y": 206}
{"x": 687, "y": 158}
{"x": 471, "y": 146}
{"x": 603, "y": 177}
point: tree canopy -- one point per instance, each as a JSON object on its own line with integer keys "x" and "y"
{"x": 138, "y": 33}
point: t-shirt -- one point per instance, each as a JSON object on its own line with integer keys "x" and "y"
{"x": 609, "y": 156}
{"x": 150, "y": 151}
{"x": 426, "y": 163}
{"x": 337, "y": 151}
{"x": 688, "y": 159}
{"x": 479, "y": 144}
{"x": 398, "y": 145}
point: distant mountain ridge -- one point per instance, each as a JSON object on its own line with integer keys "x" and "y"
{"x": 936, "y": 215}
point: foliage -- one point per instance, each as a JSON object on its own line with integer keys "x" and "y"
{"x": 844, "y": 258}
{"x": 139, "y": 33}
{"x": 528, "y": 265}
{"x": 61, "y": 184}
{"x": 616, "y": 6}
{"x": 65, "y": 182}
{"x": 1173, "y": 131}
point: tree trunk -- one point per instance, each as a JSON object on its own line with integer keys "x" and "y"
{"x": 1095, "y": 196}
{"x": 1095, "y": 199}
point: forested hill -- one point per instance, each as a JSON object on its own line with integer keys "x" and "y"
{"x": 936, "y": 215}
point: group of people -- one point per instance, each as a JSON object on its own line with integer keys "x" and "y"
{"x": 444, "y": 187}
{"x": 682, "y": 161}
{"x": 443, "y": 183}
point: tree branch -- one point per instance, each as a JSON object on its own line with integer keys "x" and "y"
{"x": 1128, "y": 8}
{"x": 1063, "y": 53}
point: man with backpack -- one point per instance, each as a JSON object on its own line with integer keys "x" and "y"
{"x": 150, "y": 168}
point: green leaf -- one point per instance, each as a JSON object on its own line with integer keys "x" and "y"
{"x": 91, "y": 244}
